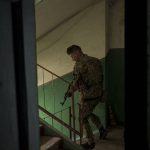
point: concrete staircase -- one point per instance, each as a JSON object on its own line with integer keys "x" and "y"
{"x": 49, "y": 142}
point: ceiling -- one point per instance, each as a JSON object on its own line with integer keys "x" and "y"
{"x": 50, "y": 14}
{"x": 60, "y": 23}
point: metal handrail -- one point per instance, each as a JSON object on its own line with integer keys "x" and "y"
{"x": 59, "y": 120}
{"x": 64, "y": 109}
{"x": 54, "y": 74}
{"x": 71, "y": 115}
{"x": 61, "y": 111}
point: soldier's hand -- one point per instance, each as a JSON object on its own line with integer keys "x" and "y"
{"x": 68, "y": 94}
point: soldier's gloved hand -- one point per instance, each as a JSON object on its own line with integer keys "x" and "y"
{"x": 69, "y": 94}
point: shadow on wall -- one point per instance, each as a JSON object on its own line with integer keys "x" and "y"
{"x": 115, "y": 74}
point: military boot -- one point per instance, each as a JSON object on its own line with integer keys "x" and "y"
{"x": 88, "y": 146}
{"x": 103, "y": 133}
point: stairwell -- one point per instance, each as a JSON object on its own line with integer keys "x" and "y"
{"x": 52, "y": 139}
{"x": 49, "y": 142}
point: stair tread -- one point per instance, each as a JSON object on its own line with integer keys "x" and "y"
{"x": 48, "y": 141}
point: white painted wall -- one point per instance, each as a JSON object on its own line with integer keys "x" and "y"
{"x": 86, "y": 29}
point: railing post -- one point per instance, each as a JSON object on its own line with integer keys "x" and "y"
{"x": 73, "y": 116}
{"x": 44, "y": 90}
{"x": 52, "y": 122}
{"x": 61, "y": 125}
{"x": 70, "y": 122}
{"x": 80, "y": 124}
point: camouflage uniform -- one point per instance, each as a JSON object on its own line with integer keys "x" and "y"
{"x": 88, "y": 78}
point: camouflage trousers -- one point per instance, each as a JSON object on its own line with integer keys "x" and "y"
{"x": 86, "y": 113}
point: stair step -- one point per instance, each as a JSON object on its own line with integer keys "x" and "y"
{"x": 50, "y": 143}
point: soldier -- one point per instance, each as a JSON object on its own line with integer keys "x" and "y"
{"x": 88, "y": 80}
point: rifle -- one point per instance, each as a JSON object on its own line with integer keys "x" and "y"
{"x": 67, "y": 94}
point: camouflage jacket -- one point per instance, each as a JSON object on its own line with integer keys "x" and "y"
{"x": 88, "y": 76}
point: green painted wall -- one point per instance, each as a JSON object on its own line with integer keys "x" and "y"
{"x": 51, "y": 94}
{"x": 115, "y": 82}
